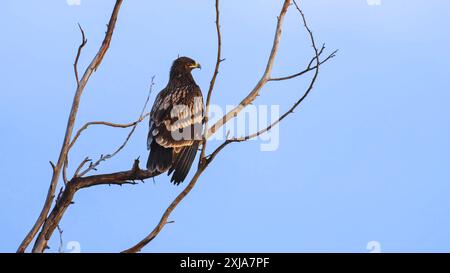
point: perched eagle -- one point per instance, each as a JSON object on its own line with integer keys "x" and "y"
{"x": 176, "y": 123}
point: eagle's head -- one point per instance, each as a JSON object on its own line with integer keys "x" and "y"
{"x": 184, "y": 65}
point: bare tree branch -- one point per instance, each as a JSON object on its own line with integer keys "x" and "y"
{"x": 40, "y": 243}
{"x": 164, "y": 219}
{"x": 80, "y": 48}
{"x": 102, "y": 158}
{"x": 265, "y": 77}
{"x": 64, "y": 172}
{"x": 213, "y": 79}
{"x": 77, "y": 183}
{"x": 297, "y": 103}
{"x": 105, "y": 123}
{"x": 61, "y": 242}
{"x": 53, "y": 165}
{"x": 308, "y": 68}
{"x": 86, "y": 160}
{"x": 142, "y": 116}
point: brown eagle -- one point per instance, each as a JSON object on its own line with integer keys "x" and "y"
{"x": 176, "y": 123}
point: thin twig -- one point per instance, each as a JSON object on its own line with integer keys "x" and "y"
{"x": 213, "y": 80}
{"x": 83, "y": 43}
{"x": 64, "y": 171}
{"x": 53, "y": 165}
{"x": 308, "y": 69}
{"x": 86, "y": 160}
{"x": 105, "y": 123}
{"x": 142, "y": 116}
{"x": 87, "y": 125}
{"x": 61, "y": 243}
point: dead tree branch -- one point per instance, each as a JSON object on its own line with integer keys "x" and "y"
{"x": 81, "y": 84}
{"x": 105, "y": 123}
{"x": 80, "y": 48}
{"x": 265, "y": 77}
{"x": 102, "y": 158}
{"x": 213, "y": 79}
{"x": 308, "y": 68}
{"x": 164, "y": 219}
{"x": 61, "y": 242}
{"x": 297, "y": 103}
{"x": 78, "y": 183}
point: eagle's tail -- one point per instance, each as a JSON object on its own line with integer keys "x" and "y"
{"x": 182, "y": 163}
{"x": 160, "y": 158}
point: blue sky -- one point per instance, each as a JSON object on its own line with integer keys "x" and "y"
{"x": 365, "y": 158}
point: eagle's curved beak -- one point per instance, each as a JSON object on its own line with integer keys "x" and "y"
{"x": 196, "y": 65}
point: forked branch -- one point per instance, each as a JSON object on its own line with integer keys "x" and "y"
{"x": 142, "y": 116}
{"x": 79, "y": 181}
{"x": 40, "y": 244}
{"x": 65, "y": 199}
{"x": 315, "y": 59}
{"x": 264, "y": 78}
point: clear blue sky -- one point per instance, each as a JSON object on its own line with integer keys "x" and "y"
{"x": 366, "y": 158}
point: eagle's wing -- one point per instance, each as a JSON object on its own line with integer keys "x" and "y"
{"x": 176, "y": 117}
{"x": 176, "y": 123}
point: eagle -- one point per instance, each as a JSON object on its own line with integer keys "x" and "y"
{"x": 176, "y": 123}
